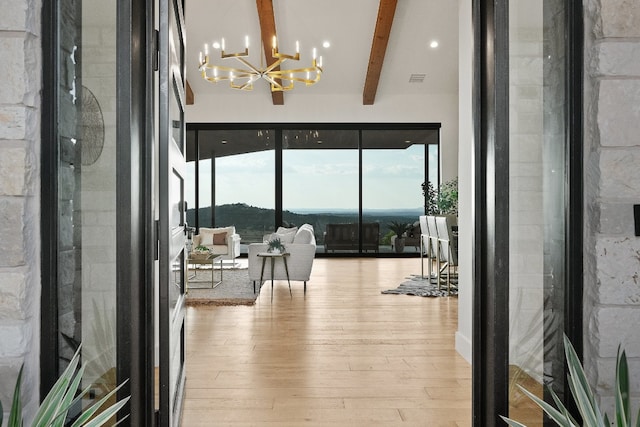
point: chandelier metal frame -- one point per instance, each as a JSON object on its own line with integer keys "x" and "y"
{"x": 243, "y": 78}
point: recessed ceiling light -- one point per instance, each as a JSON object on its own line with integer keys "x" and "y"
{"x": 224, "y": 141}
{"x": 216, "y": 45}
{"x": 434, "y": 44}
{"x": 319, "y": 141}
{"x": 326, "y": 44}
{"x": 408, "y": 141}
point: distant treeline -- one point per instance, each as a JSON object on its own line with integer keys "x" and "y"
{"x": 253, "y": 222}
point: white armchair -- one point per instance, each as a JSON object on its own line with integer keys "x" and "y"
{"x": 301, "y": 249}
{"x": 220, "y": 241}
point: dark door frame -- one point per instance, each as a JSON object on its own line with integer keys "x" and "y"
{"x": 491, "y": 178}
{"x": 134, "y": 242}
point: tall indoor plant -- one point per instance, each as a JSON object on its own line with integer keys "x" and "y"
{"x": 399, "y": 228}
{"x": 443, "y": 201}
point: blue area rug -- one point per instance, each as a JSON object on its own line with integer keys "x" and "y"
{"x": 422, "y": 287}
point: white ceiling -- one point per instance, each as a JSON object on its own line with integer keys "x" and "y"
{"x": 348, "y": 25}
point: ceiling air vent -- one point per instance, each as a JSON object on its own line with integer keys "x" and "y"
{"x": 417, "y": 78}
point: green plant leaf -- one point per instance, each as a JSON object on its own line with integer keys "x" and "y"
{"x": 89, "y": 412}
{"x": 15, "y": 416}
{"x": 582, "y": 402}
{"x": 563, "y": 408}
{"x": 552, "y": 412}
{"x": 68, "y": 399}
{"x": 579, "y": 385}
{"x": 511, "y": 422}
{"x": 48, "y": 410}
{"x": 622, "y": 389}
{"x": 106, "y": 415}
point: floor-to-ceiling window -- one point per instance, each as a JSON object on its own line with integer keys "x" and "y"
{"x": 236, "y": 180}
{"x": 320, "y": 182}
{"x": 350, "y": 182}
{"x": 395, "y": 163}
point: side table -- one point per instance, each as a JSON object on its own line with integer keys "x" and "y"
{"x": 212, "y": 259}
{"x": 273, "y": 256}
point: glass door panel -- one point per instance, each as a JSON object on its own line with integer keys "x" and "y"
{"x": 87, "y": 165}
{"x": 393, "y": 170}
{"x": 536, "y": 202}
{"x": 320, "y": 186}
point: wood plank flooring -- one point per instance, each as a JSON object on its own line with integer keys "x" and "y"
{"x": 344, "y": 355}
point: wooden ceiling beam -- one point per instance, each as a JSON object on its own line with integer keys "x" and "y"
{"x": 386, "y": 11}
{"x": 191, "y": 99}
{"x": 268, "y": 31}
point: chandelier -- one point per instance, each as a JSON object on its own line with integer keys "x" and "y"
{"x": 243, "y": 78}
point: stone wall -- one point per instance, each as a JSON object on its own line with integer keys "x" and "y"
{"x": 20, "y": 28}
{"x": 612, "y": 173}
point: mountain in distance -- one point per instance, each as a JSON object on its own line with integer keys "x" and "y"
{"x": 253, "y": 222}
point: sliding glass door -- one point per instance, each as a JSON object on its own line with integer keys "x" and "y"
{"x": 393, "y": 170}
{"x": 320, "y": 185}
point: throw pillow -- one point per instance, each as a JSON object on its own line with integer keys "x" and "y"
{"x": 304, "y": 235}
{"x": 286, "y": 237}
{"x": 284, "y": 230}
{"x": 220, "y": 239}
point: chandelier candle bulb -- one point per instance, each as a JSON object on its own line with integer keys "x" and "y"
{"x": 246, "y": 42}
{"x": 206, "y": 49}
{"x": 297, "y": 46}
{"x": 320, "y": 61}
{"x": 314, "y": 53}
{"x": 222, "y": 44}
{"x": 275, "y": 45}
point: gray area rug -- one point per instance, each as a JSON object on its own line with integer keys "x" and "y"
{"x": 422, "y": 288}
{"x": 235, "y": 289}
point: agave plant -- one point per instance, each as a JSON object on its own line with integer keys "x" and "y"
{"x": 585, "y": 400}
{"x": 62, "y": 396}
{"x": 275, "y": 245}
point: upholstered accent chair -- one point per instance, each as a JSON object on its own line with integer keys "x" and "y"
{"x": 299, "y": 243}
{"x": 220, "y": 241}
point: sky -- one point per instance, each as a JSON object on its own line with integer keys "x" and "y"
{"x": 316, "y": 179}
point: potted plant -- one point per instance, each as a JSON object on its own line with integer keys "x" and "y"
{"x": 430, "y": 198}
{"x": 448, "y": 198}
{"x": 443, "y": 201}
{"x": 399, "y": 228}
{"x": 64, "y": 396}
{"x": 585, "y": 400}
{"x": 275, "y": 246}
{"x": 200, "y": 252}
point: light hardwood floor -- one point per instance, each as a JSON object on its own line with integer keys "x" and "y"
{"x": 344, "y": 355}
